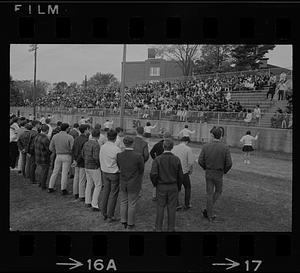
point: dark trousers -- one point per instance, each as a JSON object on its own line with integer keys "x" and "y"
{"x": 167, "y": 195}
{"x": 214, "y": 185}
{"x": 32, "y": 167}
{"x": 111, "y": 184}
{"x": 41, "y": 174}
{"x": 13, "y": 154}
{"x": 280, "y": 94}
{"x": 23, "y": 163}
{"x": 52, "y": 160}
{"x": 187, "y": 189}
{"x": 271, "y": 93}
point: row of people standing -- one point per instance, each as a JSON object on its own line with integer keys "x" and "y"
{"x": 107, "y": 165}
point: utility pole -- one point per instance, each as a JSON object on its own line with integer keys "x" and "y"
{"x": 122, "y": 88}
{"x": 85, "y": 83}
{"x": 34, "y": 48}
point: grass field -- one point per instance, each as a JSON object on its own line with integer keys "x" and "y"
{"x": 256, "y": 197}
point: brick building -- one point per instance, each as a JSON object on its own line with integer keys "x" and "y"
{"x": 150, "y": 70}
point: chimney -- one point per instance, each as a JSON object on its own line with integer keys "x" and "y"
{"x": 151, "y": 53}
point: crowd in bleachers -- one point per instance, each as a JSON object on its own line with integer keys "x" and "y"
{"x": 209, "y": 93}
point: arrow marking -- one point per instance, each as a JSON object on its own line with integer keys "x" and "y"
{"x": 75, "y": 264}
{"x": 232, "y": 264}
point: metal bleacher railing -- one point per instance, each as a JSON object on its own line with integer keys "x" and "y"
{"x": 228, "y": 118}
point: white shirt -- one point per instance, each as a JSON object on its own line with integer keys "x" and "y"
{"x": 50, "y": 131}
{"x": 228, "y": 96}
{"x": 257, "y": 112}
{"x": 108, "y": 124}
{"x": 42, "y": 120}
{"x": 108, "y": 157}
{"x": 185, "y": 155}
{"x": 147, "y": 129}
{"x": 248, "y": 117}
{"x": 82, "y": 121}
{"x": 186, "y": 132}
{"x": 119, "y": 142}
{"x": 248, "y": 139}
{"x": 13, "y": 137}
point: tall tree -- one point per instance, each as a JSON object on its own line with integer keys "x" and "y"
{"x": 184, "y": 55}
{"x": 60, "y": 86}
{"x": 26, "y": 88}
{"x": 248, "y": 56}
{"x": 214, "y": 58}
{"x": 16, "y": 98}
{"x": 101, "y": 80}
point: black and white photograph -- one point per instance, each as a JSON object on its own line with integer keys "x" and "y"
{"x": 151, "y": 137}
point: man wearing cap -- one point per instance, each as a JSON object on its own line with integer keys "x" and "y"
{"x": 166, "y": 175}
{"x": 215, "y": 159}
{"x": 131, "y": 165}
{"x": 186, "y": 156}
{"x": 157, "y": 150}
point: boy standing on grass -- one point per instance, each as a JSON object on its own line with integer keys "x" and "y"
{"x": 166, "y": 175}
{"x": 215, "y": 159}
{"x": 131, "y": 165}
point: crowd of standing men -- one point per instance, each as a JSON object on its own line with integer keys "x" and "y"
{"x": 114, "y": 164}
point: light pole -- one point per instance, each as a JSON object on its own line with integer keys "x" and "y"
{"x": 122, "y": 88}
{"x": 34, "y": 48}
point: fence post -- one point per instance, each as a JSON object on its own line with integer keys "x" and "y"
{"x": 218, "y": 118}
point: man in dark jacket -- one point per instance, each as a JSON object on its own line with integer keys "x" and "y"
{"x": 215, "y": 159}
{"x": 140, "y": 146}
{"x": 79, "y": 181}
{"x": 31, "y": 151}
{"x": 42, "y": 156}
{"x": 166, "y": 175}
{"x": 157, "y": 150}
{"x": 90, "y": 154}
{"x": 74, "y": 132}
{"x": 131, "y": 165}
{"x": 55, "y": 131}
{"x": 23, "y": 147}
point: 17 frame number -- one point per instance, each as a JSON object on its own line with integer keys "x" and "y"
{"x": 257, "y": 262}
{"x": 232, "y": 264}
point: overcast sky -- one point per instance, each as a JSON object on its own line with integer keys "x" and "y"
{"x": 69, "y": 63}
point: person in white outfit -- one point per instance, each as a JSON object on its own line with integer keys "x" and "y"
{"x": 43, "y": 119}
{"x": 147, "y": 130}
{"x": 247, "y": 141}
{"x": 108, "y": 125}
{"x": 257, "y": 113}
{"x": 186, "y": 132}
{"x": 248, "y": 118}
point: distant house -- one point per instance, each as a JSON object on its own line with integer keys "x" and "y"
{"x": 152, "y": 69}
{"x": 277, "y": 70}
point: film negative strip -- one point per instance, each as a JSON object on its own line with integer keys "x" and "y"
{"x": 205, "y": 250}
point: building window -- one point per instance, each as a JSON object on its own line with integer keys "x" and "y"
{"x": 154, "y": 71}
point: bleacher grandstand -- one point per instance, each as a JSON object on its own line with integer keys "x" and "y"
{"x": 194, "y": 99}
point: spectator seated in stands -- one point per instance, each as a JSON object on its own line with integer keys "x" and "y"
{"x": 248, "y": 117}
